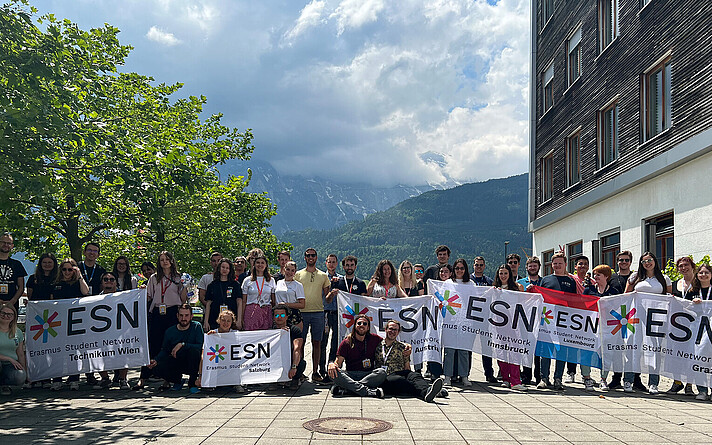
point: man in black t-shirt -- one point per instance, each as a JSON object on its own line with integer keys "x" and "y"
{"x": 296, "y": 371}
{"x": 443, "y": 254}
{"x": 620, "y": 280}
{"x": 12, "y": 273}
{"x": 561, "y": 281}
{"x": 90, "y": 270}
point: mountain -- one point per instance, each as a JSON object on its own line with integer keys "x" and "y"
{"x": 318, "y": 203}
{"x": 472, "y": 219}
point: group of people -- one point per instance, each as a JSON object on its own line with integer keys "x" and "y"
{"x": 243, "y": 294}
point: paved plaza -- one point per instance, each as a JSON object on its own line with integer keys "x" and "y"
{"x": 482, "y": 414}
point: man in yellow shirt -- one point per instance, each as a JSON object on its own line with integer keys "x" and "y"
{"x": 316, "y": 284}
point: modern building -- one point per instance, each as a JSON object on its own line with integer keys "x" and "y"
{"x": 621, "y": 128}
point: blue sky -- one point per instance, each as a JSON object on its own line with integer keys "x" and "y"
{"x": 352, "y": 90}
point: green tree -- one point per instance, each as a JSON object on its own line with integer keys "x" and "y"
{"x": 92, "y": 153}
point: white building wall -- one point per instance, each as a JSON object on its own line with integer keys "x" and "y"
{"x": 684, "y": 190}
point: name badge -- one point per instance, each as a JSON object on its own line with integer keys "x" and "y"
{"x": 366, "y": 363}
{"x": 223, "y": 307}
{"x": 4, "y": 288}
{"x": 162, "y": 309}
{"x": 91, "y": 292}
{"x": 385, "y": 368}
{"x": 229, "y": 293}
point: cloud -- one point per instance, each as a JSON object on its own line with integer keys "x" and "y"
{"x": 162, "y": 37}
{"x": 356, "y": 13}
{"x": 310, "y": 16}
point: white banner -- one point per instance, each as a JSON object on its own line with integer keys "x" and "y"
{"x": 98, "y": 333}
{"x": 419, "y": 318}
{"x": 497, "y": 323}
{"x": 657, "y": 334}
{"x": 247, "y": 357}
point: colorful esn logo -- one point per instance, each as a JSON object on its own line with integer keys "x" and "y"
{"x": 216, "y": 354}
{"x": 624, "y": 321}
{"x": 45, "y": 326}
{"x": 351, "y": 314}
{"x": 447, "y": 303}
{"x": 546, "y": 316}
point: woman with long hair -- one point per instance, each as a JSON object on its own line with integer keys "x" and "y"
{"x": 504, "y": 279}
{"x": 704, "y": 293}
{"x": 290, "y": 292}
{"x": 222, "y": 294}
{"x": 650, "y": 279}
{"x": 684, "y": 288}
{"x": 166, "y": 293}
{"x": 41, "y": 283}
{"x": 258, "y": 290}
{"x": 12, "y": 350}
{"x": 384, "y": 283}
{"x": 122, "y": 271}
{"x": 407, "y": 282}
{"x": 458, "y": 359}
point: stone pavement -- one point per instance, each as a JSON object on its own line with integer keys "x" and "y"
{"x": 483, "y": 414}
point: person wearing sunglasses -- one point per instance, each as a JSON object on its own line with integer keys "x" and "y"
{"x": 12, "y": 350}
{"x": 619, "y": 280}
{"x": 281, "y": 316}
{"x": 109, "y": 285}
{"x": 358, "y": 351}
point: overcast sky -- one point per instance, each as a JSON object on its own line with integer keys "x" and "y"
{"x": 381, "y": 91}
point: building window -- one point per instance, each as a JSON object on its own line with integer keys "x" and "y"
{"x": 574, "y": 251}
{"x": 547, "y": 10}
{"x": 660, "y": 237}
{"x": 547, "y": 177}
{"x": 657, "y": 100}
{"x": 548, "y": 87}
{"x": 644, "y": 3}
{"x": 607, "y": 22}
{"x": 573, "y": 61}
{"x": 607, "y": 135}
{"x": 610, "y": 248}
{"x": 573, "y": 159}
{"x": 546, "y": 261}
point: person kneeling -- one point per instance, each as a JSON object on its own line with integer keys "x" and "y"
{"x": 394, "y": 357}
{"x": 181, "y": 351}
{"x": 281, "y": 315}
{"x": 359, "y": 351}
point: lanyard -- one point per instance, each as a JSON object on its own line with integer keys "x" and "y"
{"x": 686, "y": 290}
{"x": 385, "y": 287}
{"x": 259, "y": 289}
{"x": 86, "y": 276}
{"x": 164, "y": 288}
{"x": 386, "y": 354}
{"x": 349, "y": 287}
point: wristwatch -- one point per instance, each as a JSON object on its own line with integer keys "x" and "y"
{"x": 294, "y": 366}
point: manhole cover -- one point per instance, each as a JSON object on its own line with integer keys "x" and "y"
{"x": 347, "y": 425}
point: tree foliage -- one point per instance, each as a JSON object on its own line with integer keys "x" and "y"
{"x": 94, "y": 153}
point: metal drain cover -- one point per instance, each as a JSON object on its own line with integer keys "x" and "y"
{"x": 347, "y": 425}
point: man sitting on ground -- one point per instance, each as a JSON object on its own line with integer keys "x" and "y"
{"x": 281, "y": 313}
{"x": 394, "y": 357}
{"x": 359, "y": 351}
{"x": 181, "y": 351}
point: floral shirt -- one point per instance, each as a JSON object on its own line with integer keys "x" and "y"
{"x": 393, "y": 357}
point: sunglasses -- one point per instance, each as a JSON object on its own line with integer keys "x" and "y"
{"x": 109, "y": 280}
{"x": 361, "y": 323}
{"x": 623, "y": 260}
{"x": 418, "y": 270}
{"x": 309, "y": 255}
{"x": 280, "y": 315}
{"x": 67, "y": 269}
{"x": 648, "y": 261}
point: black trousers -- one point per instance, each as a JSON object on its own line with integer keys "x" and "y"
{"x": 157, "y": 325}
{"x": 527, "y": 371}
{"x": 172, "y": 369}
{"x": 406, "y": 382}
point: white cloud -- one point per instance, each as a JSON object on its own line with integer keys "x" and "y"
{"x": 162, "y": 37}
{"x": 309, "y": 17}
{"x": 356, "y": 13}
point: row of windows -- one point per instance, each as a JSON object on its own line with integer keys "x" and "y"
{"x": 659, "y": 238}
{"x": 656, "y": 103}
{"x": 607, "y": 18}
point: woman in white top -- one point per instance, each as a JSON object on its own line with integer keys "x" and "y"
{"x": 649, "y": 279}
{"x": 406, "y": 280}
{"x": 124, "y": 279}
{"x": 457, "y": 362}
{"x": 258, "y": 296}
{"x": 291, "y": 292}
{"x": 384, "y": 283}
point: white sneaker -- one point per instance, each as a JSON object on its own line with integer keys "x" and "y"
{"x": 466, "y": 382}
{"x": 653, "y": 389}
{"x": 604, "y": 385}
{"x": 570, "y": 378}
{"x": 447, "y": 381}
{"x": 589, "y": 384}
{"x": 701, "y": 396}
{"x": 74, "y": 386}
{"x": 628, "y": 387}
{"x": 519, "y": 387}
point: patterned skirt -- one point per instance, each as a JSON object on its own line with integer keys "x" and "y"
{"x": 257, "y": 317}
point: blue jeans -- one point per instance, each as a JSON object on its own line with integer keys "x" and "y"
{"x": 558, "y": 369}
{"x": 653, "y": 379}
{"x": 360, "y": 382}
{"x": 463, "y": 362}
{"x": 11, "y": 376}
{"x": 332, "y": 322}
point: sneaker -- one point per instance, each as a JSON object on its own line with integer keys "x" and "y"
{"x": 194, "y": 390}
{"x": 447, "y": 381}
{"x": 177, "y": 386}
{"x": 337, "y": 391}
{"x": 5, "y": 391}
{"x": 638, "y": 386}
{"x": 615, "y": 384}
{"x": 628, "y": 387}
{"x": 506, "y": 385}
{"x": 316, "y": 378}
{"x": 124, "y": 384}
{"x": 378, "y": 393}
{"x": 434, "y": 390}
{"x": 570, "y": 378}
{"x": 519, "y": 387}
{"x": 558, "y": 385}
{"x": 239, "y": 389}
{"x": 326, "y": 380}
{"x": 604, "y": 385}
{"x": 443, "y": 393}
{"x": 589, "y": 384}
{"x": 543, "y": 384}
{"x": 428, "y": 375}
{"x": 653, "y": 389}
{"x": 688, "y": 390}
{"x": 74, "y": 386}
{"x": 675, "y": 388}
{"x": 701, "y": 396}
{"x": 56, "y": 386}
{"x": 103, "y": 384}
{"x": 492, "y": 379}
{"x": 466, "y": 382}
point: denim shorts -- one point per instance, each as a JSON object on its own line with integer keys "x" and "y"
{"x": 316, "y": 321}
